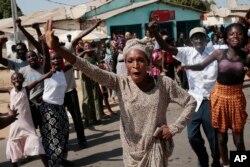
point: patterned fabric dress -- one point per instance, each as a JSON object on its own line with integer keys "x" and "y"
{"x": 140, "y": 115}
{"x": 23, "y": 140}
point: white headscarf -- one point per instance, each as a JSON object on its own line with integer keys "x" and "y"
{"x": 139, "y": 45}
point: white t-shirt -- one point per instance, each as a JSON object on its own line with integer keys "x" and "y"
{"x": 54, "y": 88}
{"x": 200, "y": 82}
{"x": 30, "y": 75}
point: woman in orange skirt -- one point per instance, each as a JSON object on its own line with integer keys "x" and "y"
{"x": 228, "y": 103}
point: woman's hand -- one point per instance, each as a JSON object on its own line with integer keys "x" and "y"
{"x": 166, "y": 134}
{"x": 163, "y": 133}
{"x": 247, "y": 71}
{"x": 12, "y": 111}
{"x": 50, "y": 73}
{"x": 51, "y": 42}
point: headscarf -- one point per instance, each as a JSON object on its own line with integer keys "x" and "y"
{"x": 137, "y": 44}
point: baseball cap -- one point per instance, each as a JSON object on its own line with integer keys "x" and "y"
{"x": 197, "y": 30}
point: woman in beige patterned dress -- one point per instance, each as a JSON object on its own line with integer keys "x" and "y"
{"x": 140, "y": 115}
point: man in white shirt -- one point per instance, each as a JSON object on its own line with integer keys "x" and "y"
{"x": 14, "y": 63}
{"x": 200, "y": 86}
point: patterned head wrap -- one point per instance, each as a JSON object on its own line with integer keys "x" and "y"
{"x": 137, "y": 44}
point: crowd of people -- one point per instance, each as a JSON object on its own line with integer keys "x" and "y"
{"x": 210, "y": 66}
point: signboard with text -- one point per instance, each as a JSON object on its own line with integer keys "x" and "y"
{"x": 162, "y": 15}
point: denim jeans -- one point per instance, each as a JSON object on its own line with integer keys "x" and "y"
{"x": 202, "y": 117}
{"x": 71, "y": 102}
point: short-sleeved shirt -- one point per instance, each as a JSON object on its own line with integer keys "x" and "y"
{"x": 55, "y": 88}
{"x": 17, "y": 64}
{"x": 200, "y": 82}
{"x": 30, "y": 75}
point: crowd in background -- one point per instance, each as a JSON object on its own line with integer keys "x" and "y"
{"x": 209, "y": 65}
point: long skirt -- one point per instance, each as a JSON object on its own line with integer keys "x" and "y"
{"x": 54, "y": 132}
{"x": 228, "y": 108}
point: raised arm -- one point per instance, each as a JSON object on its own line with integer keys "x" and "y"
{"x": 103, "y": 77}
{"x": 85, "y": 51}
{"x": 3, "y": 61}
{"x": 35, "y": 43}
{"x": 84, "y": 33}
{"x": 152, "y": 27}
{"x": 38, "y": 31}
{"x": 199, "y": 67}
{"x": 53, "y": 44}
{"x": 46, "y": 55}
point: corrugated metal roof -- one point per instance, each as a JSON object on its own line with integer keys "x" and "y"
{"x": 63, "y": 13}
{"x": 58, "y": 32}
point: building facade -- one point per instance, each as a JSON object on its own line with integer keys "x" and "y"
{"x": 134, "y": 15}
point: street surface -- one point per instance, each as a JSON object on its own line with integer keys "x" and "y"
{"x": 104, "y": 147}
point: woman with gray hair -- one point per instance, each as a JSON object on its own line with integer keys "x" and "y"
{"x": 145, "y": 135}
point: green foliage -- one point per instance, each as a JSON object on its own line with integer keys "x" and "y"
{"x": 5, "y": 9}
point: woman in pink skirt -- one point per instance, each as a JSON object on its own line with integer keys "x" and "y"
{"x": 23, "y": 140}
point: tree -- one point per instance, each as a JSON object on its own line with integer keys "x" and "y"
{"x": 5, "y": 9}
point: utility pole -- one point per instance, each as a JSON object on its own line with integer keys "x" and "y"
{"x": 14, "y": 17}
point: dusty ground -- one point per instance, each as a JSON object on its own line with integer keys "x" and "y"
{"x": 4, "y": 97}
